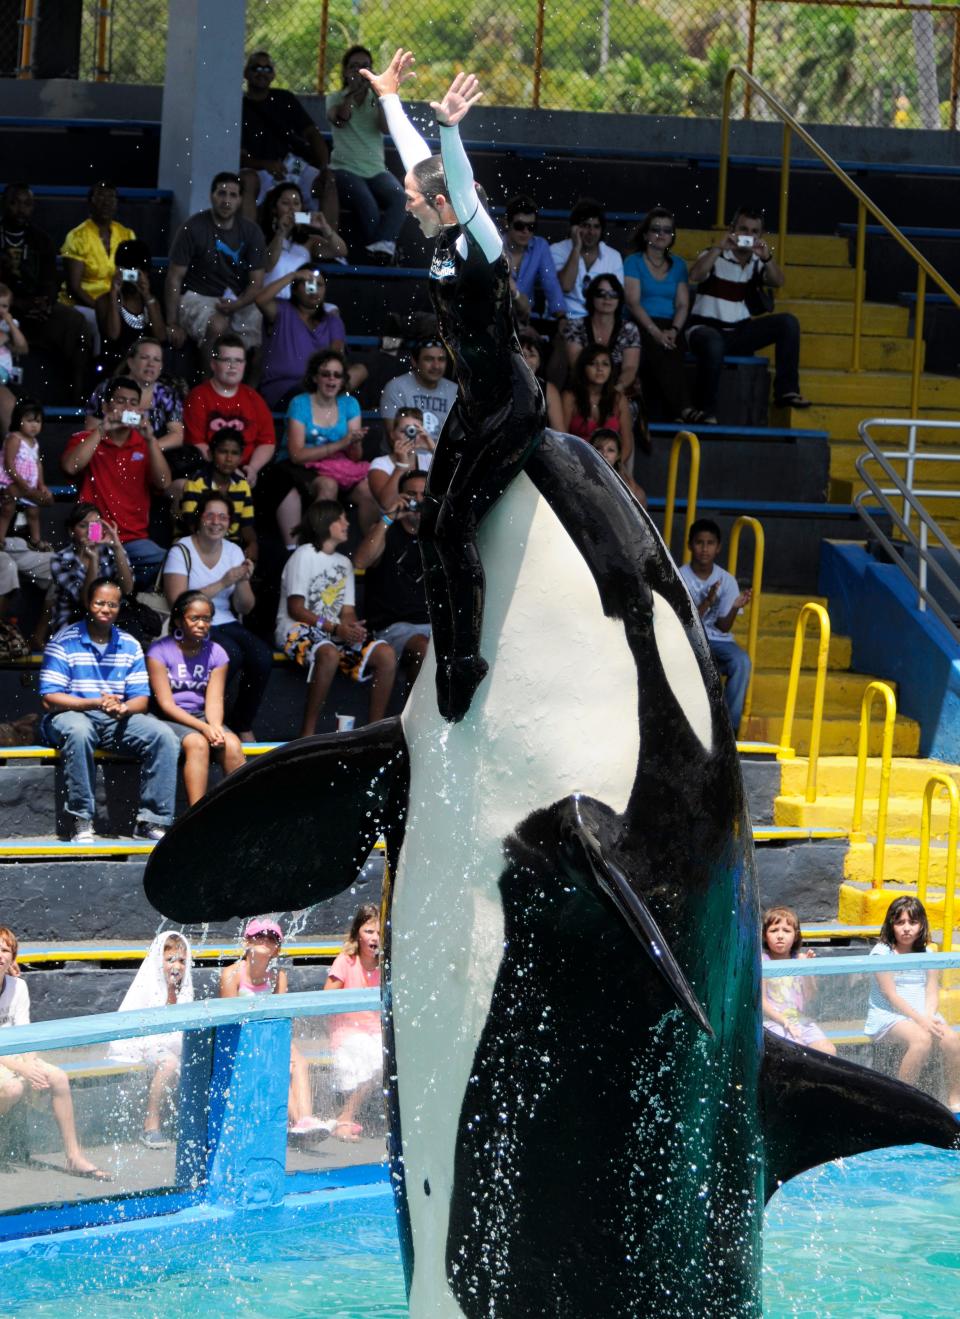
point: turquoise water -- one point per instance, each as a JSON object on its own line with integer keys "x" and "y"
{"x": 876, "y": 1237}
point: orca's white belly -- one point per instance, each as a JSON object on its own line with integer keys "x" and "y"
{"x": 542, "y": 725}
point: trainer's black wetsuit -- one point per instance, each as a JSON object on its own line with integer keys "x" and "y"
{"x": 497, "y": 420}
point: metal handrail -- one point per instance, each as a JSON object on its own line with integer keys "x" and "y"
{"x": 900, "y": 500}
{"x": 756, "y": 588}
{"x": 792, "y": 126}
{"x": 933, "y": 783}
{"x": 870, "y": 693}
{"x": 787, "y": 751}
{"x": 693, "y": 485}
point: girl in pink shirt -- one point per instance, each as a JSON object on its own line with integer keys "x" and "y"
{"x": 355, "y": 1036}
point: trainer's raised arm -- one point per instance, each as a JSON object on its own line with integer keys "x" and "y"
{"x": 406, "y": 139}
{"x": 463, "y": 92}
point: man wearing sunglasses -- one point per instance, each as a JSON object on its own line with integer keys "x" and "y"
{"x": 532, "y": 272}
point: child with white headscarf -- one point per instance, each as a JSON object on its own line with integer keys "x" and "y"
{"x": 165, "y": 978}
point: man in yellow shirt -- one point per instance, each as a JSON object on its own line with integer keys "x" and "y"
{"x": 89, "y": 253}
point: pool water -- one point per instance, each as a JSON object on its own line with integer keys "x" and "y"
{"x": 875, "y": 1237}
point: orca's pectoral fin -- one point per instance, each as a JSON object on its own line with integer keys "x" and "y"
{"x": 287, "y": 830}
{"x": 635, "y": 912}
{"x": 817, "y": 1108}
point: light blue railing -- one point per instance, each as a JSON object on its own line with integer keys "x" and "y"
{"x": 232, "y": 1107}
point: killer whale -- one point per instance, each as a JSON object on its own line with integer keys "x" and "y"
{"x": 567, "y": 1136}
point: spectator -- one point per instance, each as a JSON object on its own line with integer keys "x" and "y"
{"x": 22, "y": 567}
{"x": 607, "y": 444}
{"x": 89, "y": 254}
{"x": 188, "y": 678}
{"x": 161, "y": 403}
{"x": 208, "y": 562}
{"x": 531, "y": 345}
{"x": 317, "y": 624}
{"x": 120, "y": 467}
{"x": 394, "y": 597}
{"x": 658, "y": 297}
{"x": 12, "y": 345}
{"x": 279, "y": 142}
{"x": 28, "y": 265}
{"x": 95, "y": 553}
{"x": 164, "y": 979}
{"x": 257, "y": 973}
{"x": 222, "y": 475}
{"x": 215, "y": 272}
{"x": 411, "y": 449}
{"x": 718, "y": 599}
{"x": 324, "y": 435}
{"x": 290, "y": 244}
{"x": 728, "y": 275}
{"x": 296, "y": 327}
{"x": 355, "y": 1038}
{"x": 95, "y": 690}
{"x": 594, "y": 402}
{"x": 604, "y": 324}
{"x": 20, "y": 1070}
{"x": 21, "y": 472}
{"x": 532, "y": 272}
{"x": 128, "y": 310}
{"x": 424, "y": 386}
{"x": 224, "y": 402}
{"x": 582, "y": 257}
{"x": 364, "y": 183}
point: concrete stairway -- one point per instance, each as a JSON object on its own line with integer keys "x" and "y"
{"x": 844, "y": 690}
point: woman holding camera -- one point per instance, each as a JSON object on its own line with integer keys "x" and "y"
{"x": 293, "y": 236}
{"x": 295, "y": 328}
{"x": 128, "y": 310}
{"x": 411, "y": 450}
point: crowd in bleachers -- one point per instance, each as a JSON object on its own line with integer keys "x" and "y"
{"x": 225, "y": 468}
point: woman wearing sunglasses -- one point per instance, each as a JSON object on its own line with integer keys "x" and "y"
{"x": 658, "y": 297}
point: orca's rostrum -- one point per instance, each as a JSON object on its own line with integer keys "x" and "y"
{"x": 586, "y": 1115}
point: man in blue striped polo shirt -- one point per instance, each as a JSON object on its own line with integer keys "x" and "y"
{"x": 95, "y": 689}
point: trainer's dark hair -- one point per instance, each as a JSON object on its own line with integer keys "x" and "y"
{"x": 320, "y": 517}
{"x": 224, "y": 176}
{"x": 521, "y": 205}
{"x": 704, "y": 524}
{"x": 430, "y": 178}
{"x": 120, "y": 382}
{"x": 588, "y": 208}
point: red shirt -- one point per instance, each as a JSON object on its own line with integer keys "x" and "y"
{"x": 245, "y": 413}
{"x": 117, "y": 480}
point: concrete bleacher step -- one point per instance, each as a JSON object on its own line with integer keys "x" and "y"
{"x": 877, "y": 352}
{"x": 836, "y": 812}
{"x": 775, "y": 649}
{"x": 804, "y": 249}
{"x": 843, "y": 691}
{"x": 831, "y": 315}
{"x": 839, "y": 736}
{"x": 836, "y": 775}
{"x": 862, "y": 904}
{"x": 806, "y": 282}
{"x": 873, "y": 391}
{"x": 840, "y": 420}
{"x": 901, "y": 862}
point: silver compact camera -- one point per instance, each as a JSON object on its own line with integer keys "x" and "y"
{"x": 311, "y": 286}
{"x": 744, "y": 240}
{"x": 130, "y": 418}
{"x": 129, "y": 275}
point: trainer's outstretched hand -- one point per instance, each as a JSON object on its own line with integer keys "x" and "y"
{"x": 397, "y": 71}
{"x": 463, "y": 92}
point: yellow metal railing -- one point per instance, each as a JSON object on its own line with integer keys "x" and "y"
{"x": 933, "y": 784}
{"x": 791, "y": 128}
{"x": 756, "y": 587}
{"x": 28, "y": 34}
{"x": 787, "y": 751}
{"x": 693, "y": 485}
{"x": 870, "y": 694}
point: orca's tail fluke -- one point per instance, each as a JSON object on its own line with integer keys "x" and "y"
{"x": 287, "y": 830}
{"x": 637, "y": 915}
{"x": 817, "y": 1108}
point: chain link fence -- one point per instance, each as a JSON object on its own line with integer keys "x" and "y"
{"x": 866, "y": 62}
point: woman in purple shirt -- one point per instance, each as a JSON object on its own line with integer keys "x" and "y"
{"x": 188, "y": 677}
{"x": 297, "y": 327}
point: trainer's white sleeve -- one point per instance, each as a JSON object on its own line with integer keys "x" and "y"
{"x": 463, "y": 194}
{"x": 406, "y": 139}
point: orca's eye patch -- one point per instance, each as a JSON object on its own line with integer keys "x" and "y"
{"x": 682, "y": 671}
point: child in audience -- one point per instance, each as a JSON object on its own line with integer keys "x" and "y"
{"x": 165, "y": 979}
{"x": 903, "y": 1004}
{"x": 607, "y": 444}
{"x": 317, "y": 624}
{"x": 257, "y": 973}
{"x": 355, "y": 1036}
{"x": 410, "y": 447}
{"x": 785, "y": 998}
{"x": 718, "y": 599}
{"x": 222, "y": 474}
{"x": 21, "y": 473}
{"x": 188, "y": 679}
{"x": 11, "y": 341}
{"x": 18, "y": 1071}
{"x": 593, "y": 401}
